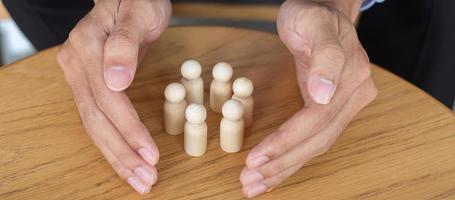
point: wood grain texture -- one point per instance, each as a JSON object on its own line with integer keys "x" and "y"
{"x": 258, "y": 12}
{"x": 3, "y": 12}
{"x": 399, "y": 147}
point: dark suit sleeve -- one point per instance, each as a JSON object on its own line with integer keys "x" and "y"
{"x": 415, "y": 41}
{"x": 47, "y": 23}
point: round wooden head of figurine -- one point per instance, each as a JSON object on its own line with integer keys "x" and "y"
{"x": 191, "y": 69}
{"x": 195, "y": 113}
{"x": 232, "y": 110}
{"x": 174, "y": 92}
{"x": 242, "y": 87}
{"x": 222, "y": 72}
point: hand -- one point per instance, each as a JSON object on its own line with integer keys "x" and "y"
{"x": 99, "y": 60}
{"x": 334, "y": 77}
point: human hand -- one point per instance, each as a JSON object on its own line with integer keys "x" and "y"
{"x": 334, "y": 78}
{"x": 99, "y": 60}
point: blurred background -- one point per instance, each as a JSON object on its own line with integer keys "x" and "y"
{"x": 14, "y": 45}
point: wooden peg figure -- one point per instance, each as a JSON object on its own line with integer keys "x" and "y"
{"x": 174, "y": 108}
{"x": 220, "y": 88}
{"x": 195, "y": 136}
{"x": 243, "y": 90}
{"x": 191, "y": 80}
{"x": 232, "y": 126}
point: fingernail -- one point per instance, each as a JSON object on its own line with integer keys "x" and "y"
{"x": 321, "y": 90}
{"x": 117, "y": 78}
{"x": 256, "y": 189}
{"x": 256, "y": 162}
{"x": 252, "y": 177}
{"x": 148, "y": 156}
{"x": 145, "y": 175}
{"x": 137, "y": 185}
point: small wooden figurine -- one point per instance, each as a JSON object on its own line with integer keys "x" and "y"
{"x": 195, "y": 136}
{"x": 220, "y": 88}
{"x": 174, "y": 108}
{"x": 232, "y": 126}
{"x": 191, "y": 80}
{"x": 243, "y": 90}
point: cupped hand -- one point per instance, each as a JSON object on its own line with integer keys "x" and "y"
{"x": 334, "y": 77}
{"x": 99, "y": 61}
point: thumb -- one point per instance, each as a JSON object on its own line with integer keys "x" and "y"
{"x": 326, "y": 64}
{"x": 137, "y": 24}
{"x": 120, "y": 58}
{"x": 310, "y": 31}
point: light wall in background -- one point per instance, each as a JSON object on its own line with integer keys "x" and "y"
{"x": 13, "y": 44}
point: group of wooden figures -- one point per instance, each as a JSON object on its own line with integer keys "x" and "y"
{"x": 184, "y": 110}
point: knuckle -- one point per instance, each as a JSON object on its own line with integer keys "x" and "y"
{"x": 90, "y": 117}
{"x": 74, "y": 36}
{"x": 272, "y": 150}
{"x": 329, "y": 114}
{"x": 281, "y": 177}
{"x": 71, "y": 78}
{"x": 122, "y": 37}
{"x": 161, "y": 16}
{"x": 364, "y": 72}
{"x": 102, "y": 100}
{"x": 278, "y": 144}
{"x": 64, "y": 59}
{"x": 88, "y": 27}
{"x": 332, "y": 51}
{"x": 286, "y": 6}
{"x": 371, "y": 91}
{"x": 123, "y": 172}
{"x": 365, "y": 67}
{"x": 337, "y": 53}
{"x": 62, "y": 56}
{"x": 289, "y": 23}
{"x": 278, "y": 168}
{"x": 150, "y": 24}
{"x": 119, "y": 168}
{"x": 125, "y": 156}
{"x": 101, "y": 16}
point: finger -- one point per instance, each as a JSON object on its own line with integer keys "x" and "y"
{"x": 325, "y": 68}
{"x": 138, "y": 22}
{"x": 315, "y": 145}
{"x": 135, "y": 179}
{"x": 124, "y": 160}
{"x": 104, "y": 134}
{"x": 315, "y": 117}
{"x": 302, "y": 125}
{"x": 310, "y": 31}
{"x": 268, "y": 184}
{"x": 115, "y": 105}
{"x": 123, "y": 115}
{"x": 120, "y": 111}
{"x": 309, "y": 120}
{"x": 301, "y": 153}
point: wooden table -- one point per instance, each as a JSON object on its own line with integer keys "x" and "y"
{"x": 402, "y": 146}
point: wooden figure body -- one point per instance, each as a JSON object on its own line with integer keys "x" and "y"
{"x": 191, "y": 80}
{"x": 232, "y": 126}
{"x": 243, "y": 90}
{"x": 220, "y": 88}
{"x": 174, "y": 108}
{"x": 195, "y": 136}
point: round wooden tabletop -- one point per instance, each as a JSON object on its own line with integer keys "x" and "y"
{"x": 401, "y": 146}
